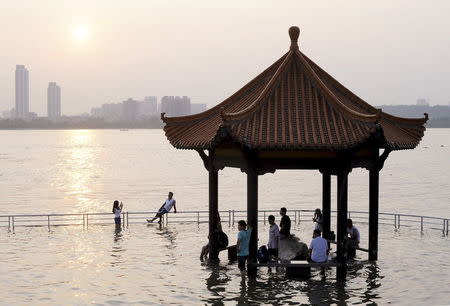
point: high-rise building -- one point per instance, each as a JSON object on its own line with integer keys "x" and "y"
{"x": 130, "y": 110}
{"x": 53, "y": 100}
{"x": 422, "y": 102}
{"x": 148, "y": 107}
{"x": 22, "y": 93}
{"x": 197, "y": 108}
{"x": 176, "y": 106}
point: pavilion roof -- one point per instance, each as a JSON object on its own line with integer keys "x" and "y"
{"x": 293, "y": 105}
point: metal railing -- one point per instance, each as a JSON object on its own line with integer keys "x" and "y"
{"x": 229, "y": 217}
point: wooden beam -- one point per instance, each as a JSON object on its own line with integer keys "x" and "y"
{"x": 342, "y": 198}
{"x": 213, "y": 213}
{"x": 326, "y": 204}
{"x": 252, "y": 213}
{"x": 374, "y": 176}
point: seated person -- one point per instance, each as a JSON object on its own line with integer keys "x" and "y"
{"x": 285, "y": 224}
{"x": 318, "y": 248}
{"x": 221, "y": 238}
{"x": 353, "y": 234}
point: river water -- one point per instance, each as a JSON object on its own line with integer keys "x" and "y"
{"x": 69, "y": 171}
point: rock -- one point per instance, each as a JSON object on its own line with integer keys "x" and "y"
{"x": 291, "y": 247}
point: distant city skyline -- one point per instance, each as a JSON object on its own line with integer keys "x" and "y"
{"x": 109, "y": 51}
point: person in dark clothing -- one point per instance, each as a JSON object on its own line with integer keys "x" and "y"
{"x": 285, "y": 224}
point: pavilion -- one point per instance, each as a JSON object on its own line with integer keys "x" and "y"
{"x": 294, "y": 115}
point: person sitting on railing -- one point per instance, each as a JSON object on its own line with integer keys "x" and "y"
{"x": 353, "y": 235}
{"x": 285, "y": 224}
{"x": 165, "y": 208}
{"x": 318, "y": 248}
{"x": 117, "y": 210}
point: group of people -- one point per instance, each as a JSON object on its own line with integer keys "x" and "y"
{"x": 318, "y": 247}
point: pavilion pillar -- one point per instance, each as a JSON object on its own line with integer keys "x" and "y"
{"x": 342, "y": 199}
{"x": 213, "y": 213}
{"x": 374, "y": 175}
{"x": 252, "y": 216}
{"x": 326, "y": 204}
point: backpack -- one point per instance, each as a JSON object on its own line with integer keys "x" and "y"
{"x": 222, "y": 240}
{"x": 263, "y": 254}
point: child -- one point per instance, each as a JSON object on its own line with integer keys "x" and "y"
{"x": 274, "y": 237}
{"x": 117, "y": 210}
{"x": 242, "y": 245}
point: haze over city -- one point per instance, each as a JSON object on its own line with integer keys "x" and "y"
{"x": 108, "y": 51}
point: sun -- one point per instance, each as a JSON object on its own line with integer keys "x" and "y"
{"x": 80, "y": 33}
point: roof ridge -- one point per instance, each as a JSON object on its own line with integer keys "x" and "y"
{"x": 335, "y": 100}
{"x": 241, "y": 114}
{"x": 217, "y": 108}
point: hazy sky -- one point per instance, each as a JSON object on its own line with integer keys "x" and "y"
{"x": 387, "y": 52}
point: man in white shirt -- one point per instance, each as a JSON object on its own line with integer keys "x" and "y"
{"x": 165, "y": 208}
{"x": 318, "y": 248}
{"x": 353, "y": 234}
{"x": 274, "y": 238}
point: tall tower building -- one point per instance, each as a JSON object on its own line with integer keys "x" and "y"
{"x": 22, "y": 93}
{"x": 53, "y": 100}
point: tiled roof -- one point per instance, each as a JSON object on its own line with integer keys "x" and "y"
{"x": 293, "y": 105}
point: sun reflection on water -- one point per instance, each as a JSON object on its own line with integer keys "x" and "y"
{"x": 80, "y": 170}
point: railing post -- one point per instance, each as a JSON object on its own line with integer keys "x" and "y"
{"x": 84, "y": 222}
{"x": 447, "y": 227}
{"x": 421, "y": 224}
{"x": 229, "y": 218}
{"x": 87, "y": 220}
{"x": 9, "y": 223}
{"x": 198, "y": 217}
{"x": 398, "y": 221}
{"x": 127, "y": 219}
{"x": 12, "y": 220}
{"x": 298, "y": 217}
{"x": 233, "y": 217}
{"x": 443, "y": 227}
{"x": 264, "y": 217}
{"x": 395, "y": 221}
{"x": 295, "y": 217}
{"x": 48, "y": 222}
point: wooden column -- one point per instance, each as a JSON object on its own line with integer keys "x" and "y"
{"x": 213, "y": 212}
{"x": 252, "y": 214}
{"x": 374, "y": 175}
{"x": 326, "y": 204}
{"x": 342, "y": 198}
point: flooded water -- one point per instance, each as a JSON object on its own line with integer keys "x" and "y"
{"x": 85, "y": 170}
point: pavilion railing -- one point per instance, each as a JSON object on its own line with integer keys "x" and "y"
{"x": 228, "y": 217}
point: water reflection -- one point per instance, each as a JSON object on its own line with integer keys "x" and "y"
{"x": 117, "y": 249}
{"x": 79, "y": 167}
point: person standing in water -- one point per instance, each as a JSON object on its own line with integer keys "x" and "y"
{"x": 165, "y": 208}
{"x": 117, "y": 210}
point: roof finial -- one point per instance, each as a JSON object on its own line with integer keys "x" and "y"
{"x": 294, "y": 32}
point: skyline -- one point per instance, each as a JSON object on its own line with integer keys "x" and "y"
{"x": 124, "y": 52}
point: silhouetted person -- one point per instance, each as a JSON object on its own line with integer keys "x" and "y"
{"x": 318, "y": 219}
{"x": 274, "y": 238}
{"x": 318, "y": 248}
{"x": 117, "y": 211}
{"x": 353, "y": 235}
{"x": 285, "y": 224}
{"x": 243, "y": 244}
{"x": 165, "y": 208}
